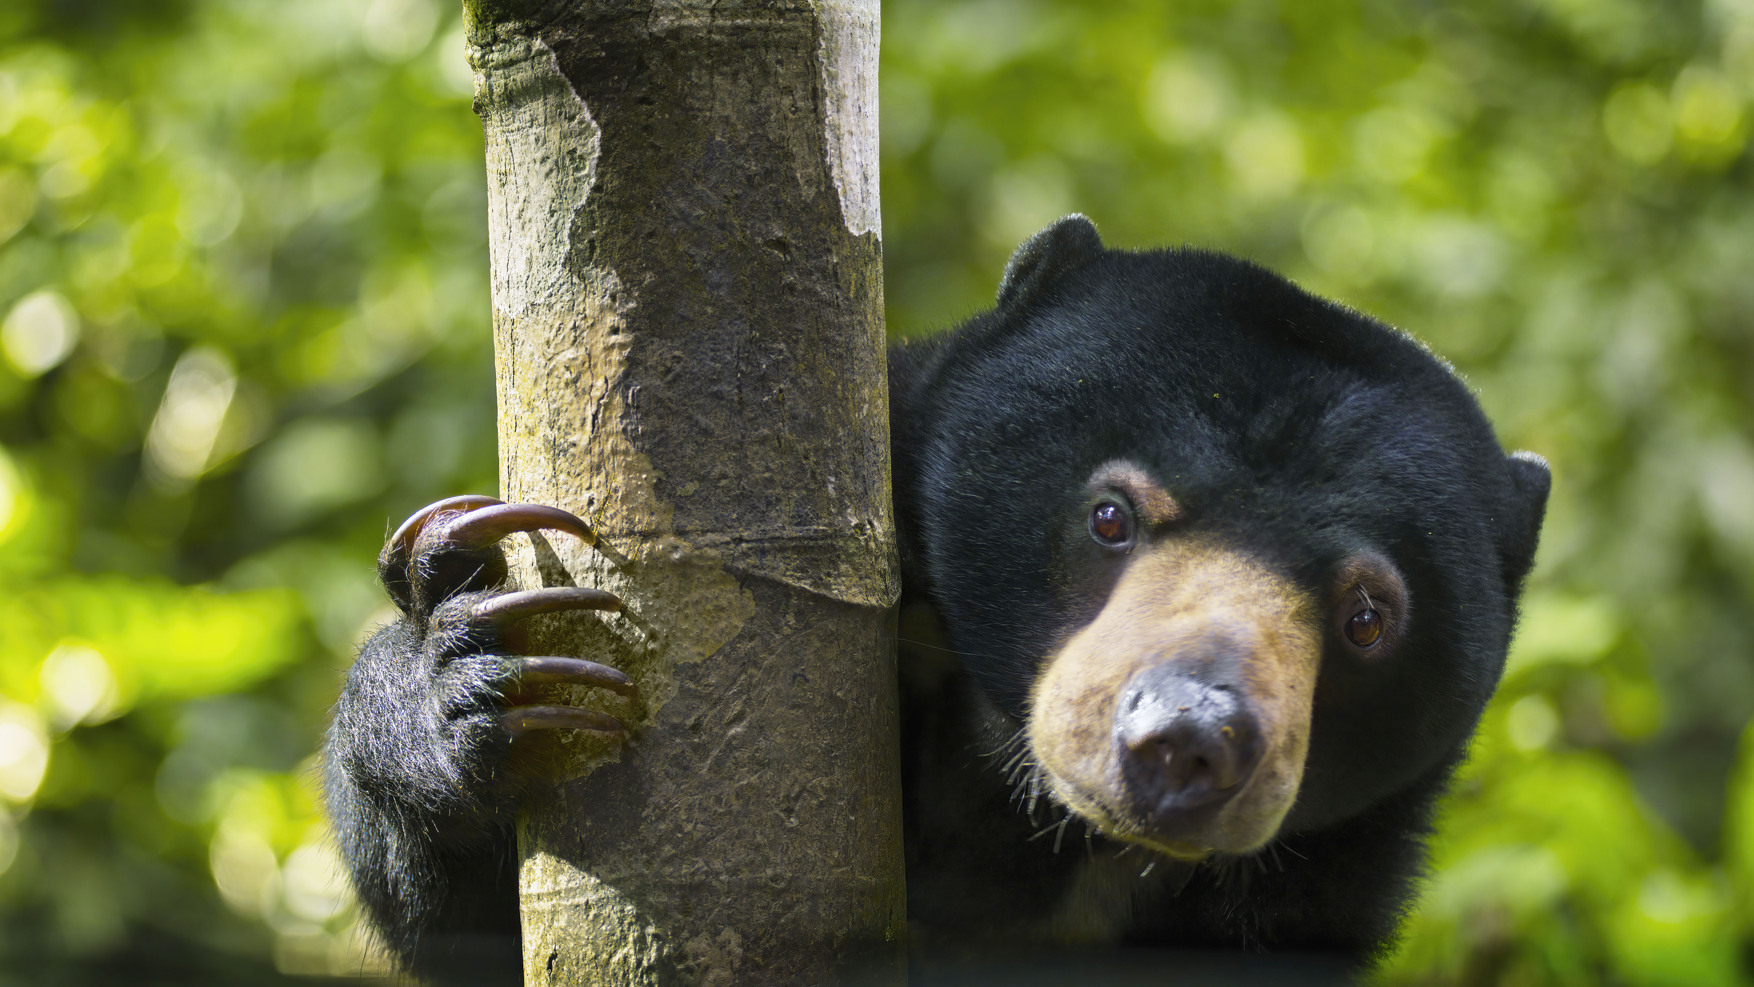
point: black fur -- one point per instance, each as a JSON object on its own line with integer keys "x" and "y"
{"x": 420, "y": 798}
{"x": 1285, "y": 425}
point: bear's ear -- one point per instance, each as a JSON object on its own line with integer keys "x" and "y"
{"x": 1061, "y": 249}
{"x": 1530, "y": 481}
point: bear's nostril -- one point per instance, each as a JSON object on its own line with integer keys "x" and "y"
{"x": 1161, "y": 749}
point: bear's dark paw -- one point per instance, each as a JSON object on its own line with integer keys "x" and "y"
{"x": 420, "y": 781}
{"x": 466, "y": 642}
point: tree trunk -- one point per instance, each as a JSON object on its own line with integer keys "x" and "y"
{"x": 687, "y": 295}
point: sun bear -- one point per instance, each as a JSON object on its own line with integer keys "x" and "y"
{"x": 1206, "y": 583}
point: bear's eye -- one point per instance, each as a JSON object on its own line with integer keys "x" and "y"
{"x": 1111, "y": 525}
{"x": 1371, "y": 604}
{"x": 1365, "y": 628}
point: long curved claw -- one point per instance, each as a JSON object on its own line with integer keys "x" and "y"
{"x": 399, "y": 547}
{"x": 467, "y": 526}
{"x": 478, "y": 529}
{"x": 506, "y": 608}
{"x": 572, "y": 671}
{"x": 520, "y": 720}
{"x": 411, "y": 528}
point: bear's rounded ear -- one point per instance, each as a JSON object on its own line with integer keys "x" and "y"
{"x": 1061, "y": 249}
{"x": 1530, "y": 480}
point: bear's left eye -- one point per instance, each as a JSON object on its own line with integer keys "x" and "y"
{"x": 1371, "y": 605}
{"x": 1365, "y": 628}
{"x": 1111, "y": 525}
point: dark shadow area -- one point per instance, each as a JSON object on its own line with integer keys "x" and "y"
{"x": 1138, "y": 968}
{"x": 162, "y": 961}
{"x": 98, "y": 22}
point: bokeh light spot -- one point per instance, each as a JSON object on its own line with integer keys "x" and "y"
{"x": 24, "y": 752}
{"x": 1186, "y": 98}
{"x": 39, "y": 332}
{"x": 183, "y": 432}
{"x": 78, "y": 685}
{"x": 1532, "y": 723}
{"x": 1639, "y": 123}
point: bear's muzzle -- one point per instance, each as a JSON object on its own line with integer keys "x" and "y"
{"x": 1179, "y": 717}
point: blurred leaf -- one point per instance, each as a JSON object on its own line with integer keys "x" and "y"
{"x": 1739, "y": 831}
{"x": 162, "y": 642}
{"x": 1558, "y": 629}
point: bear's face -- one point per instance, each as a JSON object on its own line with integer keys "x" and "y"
{"x": 1238, "y": 560}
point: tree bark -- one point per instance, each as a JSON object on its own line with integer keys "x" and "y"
{"x": 687, "y": 296}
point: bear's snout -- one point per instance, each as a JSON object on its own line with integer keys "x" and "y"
{"x": 1179, "y": 717}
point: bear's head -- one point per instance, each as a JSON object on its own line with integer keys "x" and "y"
{"x": 1237, "y": 559}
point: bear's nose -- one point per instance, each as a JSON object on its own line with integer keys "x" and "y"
{"x": 1183, "y": 744}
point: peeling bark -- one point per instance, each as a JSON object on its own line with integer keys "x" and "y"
{"x": 688, "y": 334}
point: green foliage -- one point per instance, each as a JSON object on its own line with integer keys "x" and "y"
{"x": 244, "y": 327}
{"x": 242, "y": 283}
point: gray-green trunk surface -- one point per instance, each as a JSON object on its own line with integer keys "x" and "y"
{"x": 687, "y": 297}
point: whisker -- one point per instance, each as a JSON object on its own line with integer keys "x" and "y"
{"x": 939, "y": 647}
{"x": 1014, "y": 741}
{"x": 1025, "y": 786}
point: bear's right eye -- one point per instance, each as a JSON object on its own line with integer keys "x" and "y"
{"x": 1365, "y": 628}
{"x": 1111, "y": 525}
